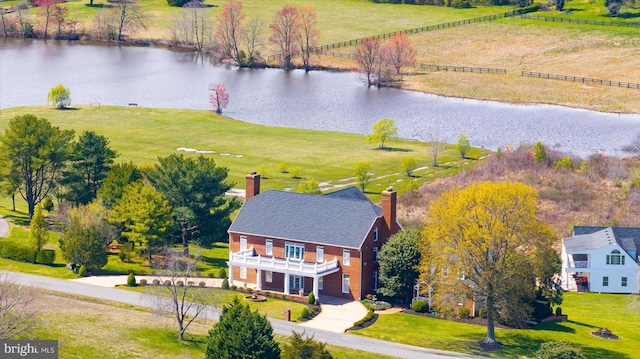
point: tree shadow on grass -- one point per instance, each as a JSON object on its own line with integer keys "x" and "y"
{"x": 216, "y": 262}
{"x": 99, "y": 6}
{"x": 555, "y": 327}
{"x": 392, "y": 149}
{"x": 68, "y": 109}
{"x": 19, "y": 218}
{"x": 628, "y": 15}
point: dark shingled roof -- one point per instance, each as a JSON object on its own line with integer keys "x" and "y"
{"x": 332, "y": 220}
{"x": 592, "y": 237}
{"x": 350, "y": 193}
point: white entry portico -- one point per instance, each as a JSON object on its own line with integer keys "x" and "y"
{"x": 289, "y": 267}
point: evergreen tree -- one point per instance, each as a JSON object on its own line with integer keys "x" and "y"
{"x": 241, "y": 334}
{"x": 398, "y": 260}
{"x": 38, "y": 234}
{"x": 301, "y": 346}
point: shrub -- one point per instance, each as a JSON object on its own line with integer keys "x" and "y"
{"x": 210, "y": 275}
{"x": 180, "y": 283}
{"x": 558, "y": 311}
{"x": 155, "y": 282}
{"x": 143, "y": 282}
{"x": 539, "y": 152}
{"x": 202, "y": 284}
{"x": 47, "y": 204}
{"x": 564, "y": 162}
{"x": 366, "y": 318}
{"x": 420, "y": 306}
{"x": 463, "y": 313}
{"x": 82, "y": 271}
{"x": 191, "y": 283}
{"x": 222, "y": 273}
{"x": 558, "y": 350}
{"x": 304, "y": 313}
{"x": 167, "y": 283}
{"x": 294, "y": 172}
{"x": 46, "y": 256}
{"x": 483, "y": 313}
{"x": 131, "y": 280}
{"x": 225, "y": 285}
{"x": 18, "y": 253}
{"x": 311, "y": 299}
{"x": 283, "y": 167}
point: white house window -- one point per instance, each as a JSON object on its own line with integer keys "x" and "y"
{"x": 345, "y": 283}
{"x": 346, "y": 257}
{"x": 375, "y": 254}
{"x": 605, "y": 281}
{"x": 319, "y": 254}
{"x": 296, "y": 282}
{"x": 243, "y": 272}
{"x": 268, "y": 276}
{"x": 624, "y": 281}
{"x": 243, "y": 243}
{"x": 375, "y": 233}
{"x": 294, "y": 251}
{"x": 615, "y": 258}
{"x": 268, "y": 245}
{"x": 321, "y": 283}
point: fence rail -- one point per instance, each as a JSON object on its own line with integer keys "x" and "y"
{"x": 580, "y": 21}
{"x": 337, "y": 45}
{"x": 479, "y": 70}
{"x": 543, "y": 75}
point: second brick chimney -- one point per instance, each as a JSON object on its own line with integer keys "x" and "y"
{"x": 253, "y": 185}
{"x": 389, "y": 209}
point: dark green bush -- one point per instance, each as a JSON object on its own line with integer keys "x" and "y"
{"x": 46, "y": 256}
{"x": 223, "y": 273}
{"x": 420, "y": 306}
{"x": 233, "y": 287}
{"x": 558, "y": 350}
{"x": 82, "y": 271}
{"x": 463, "y": 312}
{"x": 311, "y": 299}
{"x": 225, "y": 284}
{"x": 143, "y": 282}
{"x": 558, "y": 311}
{"x": 131, "y": 280}
{"x": 18, "y": 253}
{"x": 483, "y": 313}
{"x": 304, "y": 313}
{"x": 47, "y": 204}
{"x": 366, "y": 318}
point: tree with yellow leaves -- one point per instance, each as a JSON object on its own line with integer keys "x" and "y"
{"x": 485, "y": 242}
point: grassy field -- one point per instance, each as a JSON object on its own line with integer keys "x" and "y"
{"x": 587, "y": 312}
{"x": 143, "y": 134}
{"x": 98, "y": 329}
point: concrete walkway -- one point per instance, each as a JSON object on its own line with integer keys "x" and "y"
{"x": 337, "y": 315}
{"x": 4, "y": 228}
{"x": 113, "y": 280}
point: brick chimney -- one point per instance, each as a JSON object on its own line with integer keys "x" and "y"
{"x": 253, "y": 185}
{"x": 389, "y": 209}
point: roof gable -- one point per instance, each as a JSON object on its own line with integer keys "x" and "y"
{"x": 333, "y": 220}
{"x": 626, "y": 237}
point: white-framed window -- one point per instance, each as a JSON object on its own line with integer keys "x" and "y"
{"x": 605, "y": 281}
{"x": 294, "y": 251}
{"x": 345, "y": 283}
{"x": 296, "y": 282}
{"x": 319, "y": 254}
{"x": 375, "y": 280}
{"x": 375, "y": 234}
{"x": 615, "y": 258}
{"x": 268, "y": 247}
{"x": 346, "y": 257}
{"x": 268, "y": 276}
{"x": 375, "y": 254}
{"x": 243, "y": 272}
{"x": 321, "y": 283}
{"x": 624, "y": 281}
{"x": 243, "y": 243}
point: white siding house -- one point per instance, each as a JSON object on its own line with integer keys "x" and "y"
{"x": 601, "y": 259}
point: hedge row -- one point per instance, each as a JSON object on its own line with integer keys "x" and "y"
{"x": 19, "y": 253}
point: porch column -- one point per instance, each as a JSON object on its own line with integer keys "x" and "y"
{"x": 315, "y": 288}
{"x": 259, "y": 280}
{"x": 230, "y": 275}
{"x": 286, "y": 283}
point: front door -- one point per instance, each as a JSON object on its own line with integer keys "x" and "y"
{"x": 296, "y": 282}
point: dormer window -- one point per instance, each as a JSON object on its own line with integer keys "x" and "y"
{"x": 615, "y": 258}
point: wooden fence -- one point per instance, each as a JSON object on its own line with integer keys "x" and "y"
{"x": 543, "y": 75}
{"x": 581, "y": 21}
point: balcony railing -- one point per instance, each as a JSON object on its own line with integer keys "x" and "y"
{"x": 578, "y": 264}
{"x": 249, "y": 259}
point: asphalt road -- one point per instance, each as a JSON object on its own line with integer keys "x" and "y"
{"x": 279, "y": 326}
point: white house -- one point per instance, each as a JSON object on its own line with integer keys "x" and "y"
{"x": 601, "y": 259}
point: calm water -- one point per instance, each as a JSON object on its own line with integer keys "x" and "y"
{"x": 152, "y": 77}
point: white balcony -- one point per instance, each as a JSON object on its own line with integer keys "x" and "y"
{"x": 249, "y": 259}
{"x": 580, "y": 264}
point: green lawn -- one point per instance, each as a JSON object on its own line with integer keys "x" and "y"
{"x": 143, "y": 134}
{"x": 587, "y": 312}
{"x": 593, "y": 10}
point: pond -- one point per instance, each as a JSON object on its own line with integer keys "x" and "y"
{"x": 324, "y": 100}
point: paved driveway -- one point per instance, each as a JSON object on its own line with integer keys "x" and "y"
{"x": 4, "y": 227}
{"x": 337, "y": 315}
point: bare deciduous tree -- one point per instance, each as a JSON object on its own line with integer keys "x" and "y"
{"x": 127, "y": 16}
{"x": 229, "y": 29}
{"x": 252, "y": 37}
{"x": 285, "y": 33}
{"x": 373, "y": 64}
{"x": 191, "y": 27}
{"x": 309, "y": 33}
{"x": 434, "y": 149}
{"x": 185, "y": 301}
{"x": 17, "y": 312}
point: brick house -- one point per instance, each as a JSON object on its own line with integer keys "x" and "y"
{"x": 325, "y": 244}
